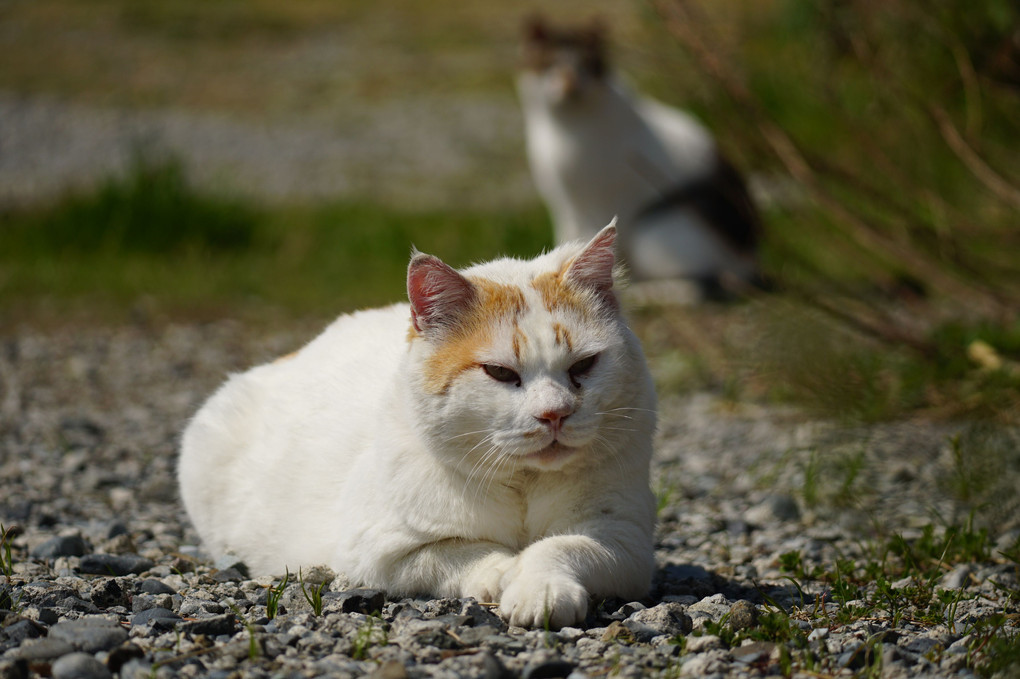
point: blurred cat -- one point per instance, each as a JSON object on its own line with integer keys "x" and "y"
{"x": 490, "y": 439}
{"x": 597, "y": 151}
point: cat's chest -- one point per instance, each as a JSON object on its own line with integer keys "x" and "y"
{"x": 540, "y": 505}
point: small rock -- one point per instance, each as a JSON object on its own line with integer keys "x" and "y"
{"x": 551, "y": 669}
{"x": 116, "y": 528}
{"x": 114, "y": 564}
{"x": 67, "y": 545}
{"x": 123, "y": 654}
{"x": 743, "y": 615}
{"x": 153, "y": 586}
{"x": 43, "y": 649}
{"x": 214, "y": 626}
{"x": 230, "y": 574}
{"x": 753, "y": 652}
{"x": 22, "y": 630}
{"x": 958, "y": 578}
{"x": 367, "y": 601}
{"x": 707, "y": 642}
{"x": 666, "y": 618}
{"x": 11, "y": 668}
{"x": 108, "y": 592}
{"x": 230, "y": 561}
{"x": 774, "y": 509}
{"x": 391, "y": 669}
{"x": 159, "y": 617}
{"x": 79, "y": 666}
{"x": 922, "y": 645}
{"x": 122, "y": 544}
{"x": 818, "y": 634}
{"x": 617, "y": 631}
{"x": 90, "y": 635}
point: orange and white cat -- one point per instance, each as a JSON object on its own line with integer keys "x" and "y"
{"x": 491, "y": 439}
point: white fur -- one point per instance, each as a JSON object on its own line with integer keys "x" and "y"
{"x": 339, "y": 456}
{"x": 602, "y": 151}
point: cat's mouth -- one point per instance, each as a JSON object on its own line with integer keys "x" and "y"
{"x": 554, "y": 452}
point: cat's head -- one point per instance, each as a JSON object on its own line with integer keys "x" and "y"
{"x": 526, "y": 363}
{"x": 562, "y": 65}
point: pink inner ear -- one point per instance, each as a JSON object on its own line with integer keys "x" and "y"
{"x": 438, "y": 294}
{"x": 593, "y": 268}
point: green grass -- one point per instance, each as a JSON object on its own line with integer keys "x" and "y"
{"x": 150, "y": 239}
{"x": 863, "y": 589}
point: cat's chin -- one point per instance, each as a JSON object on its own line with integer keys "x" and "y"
{"x": 553, "y": 456}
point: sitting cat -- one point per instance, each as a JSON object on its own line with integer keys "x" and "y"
{"x": 491, "y": 440}
{"x": 597, "y": 151}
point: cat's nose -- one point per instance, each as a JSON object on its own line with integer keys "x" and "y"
{"x": 553, "y": 418}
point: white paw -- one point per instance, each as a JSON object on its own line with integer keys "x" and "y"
{"x": 547, "y": 601}
{"x": 483, "y": 582}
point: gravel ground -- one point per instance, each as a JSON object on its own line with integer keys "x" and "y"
{"x": 108, "y": 578}
{"x": 421, "y": 151}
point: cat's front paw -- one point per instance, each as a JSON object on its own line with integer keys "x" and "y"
{"x": 549, "y": 601}
{"x": 484, "y": 581}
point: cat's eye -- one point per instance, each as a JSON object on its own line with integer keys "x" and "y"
{"x": 581, "y": 368}
{"x": 501, "y": 373}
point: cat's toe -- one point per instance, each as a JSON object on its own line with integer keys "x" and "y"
{"x": 552, "y": 604}
{"x": 484, "y": 582}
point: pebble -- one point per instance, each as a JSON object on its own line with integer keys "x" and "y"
{"x": 90, "y": 634}
{"x": 79, "y": 666}
{"x": 114, "y": 564}
{"x": 69, "y": 545}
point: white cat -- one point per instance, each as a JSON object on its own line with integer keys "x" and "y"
{"x": 492, "y": 439}
{"x": 597, "y": 150}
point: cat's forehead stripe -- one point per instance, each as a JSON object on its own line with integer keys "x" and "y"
{"x": 556, "y": 293}
{"x": 563, "y": 337}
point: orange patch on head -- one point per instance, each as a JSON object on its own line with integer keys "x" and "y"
{"x": 286, "y": 357}
{"x": 563, "y": 337}
{"x": 473, "y": 331}
{"x": 556, "y": 293}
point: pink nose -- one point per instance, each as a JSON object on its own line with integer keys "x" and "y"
{"x": 554, "y": 418}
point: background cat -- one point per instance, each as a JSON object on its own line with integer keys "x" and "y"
{"x": 597, "y": 150}
{"x": 490, "y": 439}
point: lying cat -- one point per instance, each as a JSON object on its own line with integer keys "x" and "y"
{"x": 491, "y": 440}
{"x": 597, "y": 150}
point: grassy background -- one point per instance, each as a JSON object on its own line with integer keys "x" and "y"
{"x": 885, "y": 137}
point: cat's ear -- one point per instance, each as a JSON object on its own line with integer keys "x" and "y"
{"x": 593, "y": 268}
{"x": 535, "y": 29}
{"x": 438, "y": 294}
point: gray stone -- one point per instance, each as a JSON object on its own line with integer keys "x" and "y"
{"x": 367, "y": 601}
{"x": 922, "y": 645}
{"x": 90, "y": 635}
{"x": 108, "y": 592}
{"x": 153, "y": 586}
{"x": 13, "y": 668}
{"x": 43, "y": 649}
{"x": 707, "y": 642}
{"x": 550, "y": 669}
{"x": 159, "y": 617}
{"x": 67, "y": 545}
{"x": 214, "y": 626}
{"x": 743, "y": 615}
{"x": 665, "y": 618}
{"x": 114, "y": 564}
{"x": 79, "y": 666}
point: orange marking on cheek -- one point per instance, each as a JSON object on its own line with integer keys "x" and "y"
{"x": 286, "y": 357}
